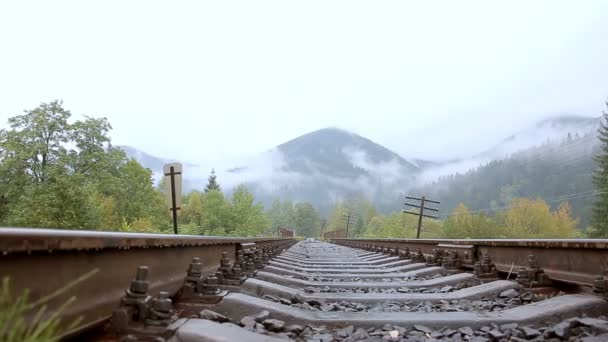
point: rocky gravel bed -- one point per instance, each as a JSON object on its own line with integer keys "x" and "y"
{"x": 506, "y": 300}
{"x": 403, "y": 289}
{"x": 574, "y": 329}
{"x": 327, "y": 279}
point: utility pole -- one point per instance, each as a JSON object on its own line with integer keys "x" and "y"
{"x": 347, "y": 218}
{"x": 323, "y": 223}
{"x": 173, "y": 189}
{"x": 421, "y": 210}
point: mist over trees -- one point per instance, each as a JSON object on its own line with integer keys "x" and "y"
{"x": 555, "y": 171}
{"x": 56, "y": 172}
{"x": 600, "y": 181}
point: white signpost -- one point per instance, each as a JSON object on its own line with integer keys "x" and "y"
{"x": 173, "y": 189}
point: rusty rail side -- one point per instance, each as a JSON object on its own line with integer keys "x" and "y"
{"x": 576, "y": 261}
{"x": 43, "y": 260}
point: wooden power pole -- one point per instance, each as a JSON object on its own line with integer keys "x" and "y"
{"x": 323, "y": 223}
{"x": 347, "y": 218}
{"x": 421, "y": 208}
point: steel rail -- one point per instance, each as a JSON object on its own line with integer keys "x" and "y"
{"x": 43, "y": 260}
{"x": 575, "y": 261}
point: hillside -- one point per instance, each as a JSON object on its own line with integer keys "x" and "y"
{"x": 338, "y": 153}
{"x": 556, "y": 171}
{"x": 155, "y": 164}
{"x": 329, "y": 164}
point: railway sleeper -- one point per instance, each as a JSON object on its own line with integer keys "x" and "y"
{"x": 257, "y": 287}
{"x": 379, "y": 269}
{"x": 237, "y": 305}
{"x": 455, "y": 279}
{"x": 303, "y": 298}
{"x": 332, "y": 268}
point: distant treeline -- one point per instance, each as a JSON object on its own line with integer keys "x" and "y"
{"x": 555, "y": 172}
{"x": 55, "y": 173}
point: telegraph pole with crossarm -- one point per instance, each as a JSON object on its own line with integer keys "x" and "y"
{"x": 347, "y": 218}
{"x": 323, "y": 223}
{"x": 421, "y": 210}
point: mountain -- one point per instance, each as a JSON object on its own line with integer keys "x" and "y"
{"x": 556, "y": 171}
{"x": 155, "y": 164}
{"x": 542, "y": 132}
{"x": 339, "y": 153}
{"x": 550, "y": 159}
{"x": 554, "y": 128}
{"x": 147, "y": 160}
{"x": 326, "y": 165}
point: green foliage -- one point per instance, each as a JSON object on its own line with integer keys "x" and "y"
{"x": 361, "y": 210}
{"x": 276, "y": 216}
{"x": 42, "y": 326}
{"x": 400, "y": 225}
{"x": 246, "y": 217}
{"x": 210, "y": 213}
{"x": 62, "y": 202}
{"x": 212, "y": 183}
{"x": 60, "y": 175}
{"x": 463, "y": 224}
{"x": 551, "y": 172}
{"x": 307, "y": 221}
{"x": 524, "y": 218}
{"x": 599, "y": 220}
{"x": 215, "y": 213}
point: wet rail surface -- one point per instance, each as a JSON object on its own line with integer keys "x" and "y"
{"x": 349, "y": 290}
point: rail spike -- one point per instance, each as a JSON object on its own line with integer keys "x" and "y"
{"x": 436, "y": 258}
{"x": 405, "y": 254}
{"x": 452, "y": 263}
{"x": 600, "y": 285}
{"x": 485, "y": 269}
{"x": 227, "y": 274}
{"x": 139, "y": 314}
{"x": 200, "y": 288}
{"x": 532, "y": 275}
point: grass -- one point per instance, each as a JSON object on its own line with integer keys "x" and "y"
{"x": 43, "y": 326}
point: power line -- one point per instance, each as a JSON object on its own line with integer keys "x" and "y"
{"x": 323, "y": 223}
{"x": 421, "y": 208}
{"x": 347, "y": 218}
{"x": 558, "y": 199}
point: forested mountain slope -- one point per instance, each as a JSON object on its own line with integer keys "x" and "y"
{"x": 330, "y": 164}
{"x": 555, "y": 171}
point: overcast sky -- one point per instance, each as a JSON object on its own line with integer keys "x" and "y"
{"x": 221, "y": 80}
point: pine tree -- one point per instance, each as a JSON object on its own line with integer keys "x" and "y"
{"x": 212, "y": 183}
{"x": 599, "y": 219}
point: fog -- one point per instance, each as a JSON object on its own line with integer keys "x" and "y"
{"x": 217, "y": 84}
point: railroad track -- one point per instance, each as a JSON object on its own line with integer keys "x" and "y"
{"x": 183, "y": 288}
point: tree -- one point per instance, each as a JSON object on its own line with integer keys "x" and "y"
{"x": 599, "y": 217}
{"x": 307, "y": 220}
{"x": 281, "y": 214}
{"x": 37, "y": 139}
{"x": 212, "y": 183}
{"x": 215, "y": 213}
{"x": 464, "y": 224}
{"x": 565, "y": 225}
{"x": 246, "y": 217}
{"x": 60, "y": 175}
{"x": 336, "y": 217}
{"x": 91, "y": 140}
{"x": 63, "y": 201}
{"x": 135, "y": 197}
{"x": 375, "y": 228}
{"x": 192, "y": 211}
